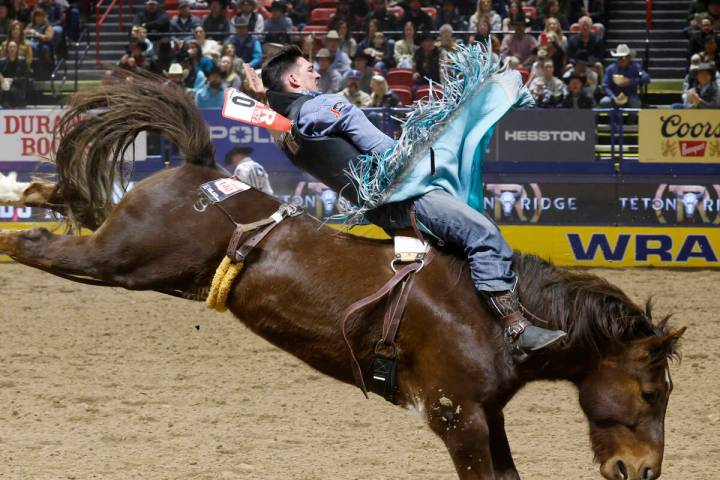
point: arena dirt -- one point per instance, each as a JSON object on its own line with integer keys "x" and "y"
{"x": 100, "y": 383}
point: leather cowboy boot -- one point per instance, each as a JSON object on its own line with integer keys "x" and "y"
{"x": 523, "y": 336}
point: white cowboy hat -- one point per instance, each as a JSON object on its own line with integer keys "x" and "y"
{"x": 622, "y": 51}
{"x": 176, "y": 69}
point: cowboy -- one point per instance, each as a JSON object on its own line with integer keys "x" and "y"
{"x": 705, "y": 91}
{"x": 248, "y": 170}
{"x": 292, "y": 85}
{"x": 622, "y": 80}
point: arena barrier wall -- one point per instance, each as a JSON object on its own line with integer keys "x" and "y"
{"x": 576, "y": 210}
{"x": 680, "y": 136}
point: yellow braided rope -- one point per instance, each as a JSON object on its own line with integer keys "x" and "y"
{"x": 224, "y": 277}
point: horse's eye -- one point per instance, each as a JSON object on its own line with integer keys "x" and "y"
{"x": 650, "y": 397}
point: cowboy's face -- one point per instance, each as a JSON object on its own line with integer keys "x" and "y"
{"x": 323, "y": 63}
{"x": 304, "y": 76}
{"x": 623, "y": 61}
{"x": 703, "y": 77}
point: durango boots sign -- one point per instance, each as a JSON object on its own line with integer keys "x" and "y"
{"x": 680, "y": 136}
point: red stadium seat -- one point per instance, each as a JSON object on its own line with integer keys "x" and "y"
{"x": 599, "y": 29}
{"x": 405, "y": 94}
{"x": 170, "y": 5}
{"x": 400, "y": 76}
{"x": 530, "y": 11}
{"x": 195, "y": 13}
{"x": 326, "y": 4}
{"x": 397, "y": 11}
{"x": 525, "y": 73}
{"x": 319, "y": 29}
{"x": 575, "y": 27}
{"x": 432, "y": 11}
{"x": 321, "y": 16}
{"x": 424, "y": 92}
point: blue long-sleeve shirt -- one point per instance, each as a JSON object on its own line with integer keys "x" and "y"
{"x": 633, "y": 71}
{"x": 330, "y": 114}
{"x": 206, "y": 97}
{"x": 248, "y": 48}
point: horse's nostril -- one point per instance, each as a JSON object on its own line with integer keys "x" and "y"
{"x": 648, "y": 474}
{"x": 622, "y": 470}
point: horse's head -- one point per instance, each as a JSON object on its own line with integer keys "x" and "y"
{"x": 625, "y": 399}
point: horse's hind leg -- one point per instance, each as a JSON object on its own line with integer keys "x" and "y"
{"x": 500, "y": 447}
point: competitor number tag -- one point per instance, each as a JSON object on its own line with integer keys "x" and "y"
{"x": 239, "y": 106}
{"x": 219, "y": 190}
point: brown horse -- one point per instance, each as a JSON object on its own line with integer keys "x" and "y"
{"x": 454, "y": 367}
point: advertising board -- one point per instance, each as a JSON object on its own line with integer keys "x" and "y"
{"x": 679, "y": 136}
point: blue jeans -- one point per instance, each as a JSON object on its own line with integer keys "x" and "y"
{"x": 456, "y": 223}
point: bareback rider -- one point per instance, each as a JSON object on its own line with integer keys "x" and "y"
{"x": 292, "y": 90}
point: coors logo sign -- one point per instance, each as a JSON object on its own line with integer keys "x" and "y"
{"x": 686, "y": 136}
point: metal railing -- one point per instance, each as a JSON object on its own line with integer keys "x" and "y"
{"x": 100, "y": 20}
{"x": 57, "y": 88}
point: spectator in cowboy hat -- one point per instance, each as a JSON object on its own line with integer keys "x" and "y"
{"x": 330, "y": 80}
{"x": 278, "y": 26}
{"x": 362, "y": 63}
{"x": 247, "y": 10}
{"x": 153, "y": 18}
{"x": 582, "y": 67}
{"x": 352, "y": 91}
{"x": 705, "y": 93}
{"x": 176, "y": 74}
{"x": 216, "y": 23}
{"x": 576, "y": 96}
{"x": 340, "y": 59}
{"x": 622, "y": 80}
{"x": 246, "y": 46}
{"x": 248, "y": 170}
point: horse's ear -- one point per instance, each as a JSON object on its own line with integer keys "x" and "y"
{"x": 665, "y": 347}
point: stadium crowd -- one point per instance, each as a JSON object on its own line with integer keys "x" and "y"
{"x": 701, "y": 86}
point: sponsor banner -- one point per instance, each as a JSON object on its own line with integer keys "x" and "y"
{"x": 27, "y": 136}
{"x": 597, "y": 246}
{"x": 226, "y": 134}
{"x": 677, "y": 204}
{"x": 679, "y": 136}
{"x": 544, "y": 136}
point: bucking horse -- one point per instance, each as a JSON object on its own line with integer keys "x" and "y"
{"x": 453, "y": 366}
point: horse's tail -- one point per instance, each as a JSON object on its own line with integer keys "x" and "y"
{"x": 98, "y": 128}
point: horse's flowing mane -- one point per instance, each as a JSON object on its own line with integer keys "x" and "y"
{"x": 100, "y": 125}
{"x": 597, "y": 315}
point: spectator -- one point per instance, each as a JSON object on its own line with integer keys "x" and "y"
{"x": 195, "y": 78}
{"x": 622, "y": 80}
{"x": 56, "y": 18}
{"x": 414, "y": 14}
{"x": 343, "y": 13}
{"x": 153, "y": 18}
{"x": 404, "y": 51}
{"x": 208, "y": 46}
{"x": 330, "y": 80}
{"x": 183, "y": 25}
{"x": 256, "y": 23}
{"x": 361, "y": 63}
{"x": 248, "y": 170}
{"x": 554, "y": 51}
{"x": 387, "y": 20}
{"x": 134, "y": 58}
{"x": 705, "y": 91}
{"x": 347, "y": 43}
{"x": 552, "y": 25}
{"x": 382, "y": 51}
{"x": 382, "y": 96}
{"x": 278, "y": 26}
{"x": 139, "y": 34}
{"x": 216, "y": 23}
{"x": 165, "y": 56}
{"x": 547, "y": 90}
{"x": 484, "y": 9}
{"x": 552, "y": 10}
{"x": 175, "y": 75}
{"x": 4, "y": 20}
{"x": 710, "y": 53}
{"x": 229, "y": 76}
{"x": 228, "y": 50}
{"x": 212, "y": 94}
{"x": 448, "y": 15}
{"x": 446, "y": 43}
{"x": 20, "y": 11}
{"x": 352, "y": 91}
{"x": 40, "y": 34}
{"x": 697, "y": 39}
{"x": 14, "y": 77}
{"x": 372, "y": 27}
{"x": 585, "y": 40}
{"x": 519, "y": 44}
{"x": 689, "y": 80}
{"x": 297, "y": 11}
{"x": 17, "y": 35}
{"x": 582, "y": 68}
{"x": 427, "y": 61}
{"x": 514, "y": 8}
{"x": 197, "y": 59}
{"x": 340, "y": 59}
{"x": 246, "y": 46}
{"x": 482, "y": 35}
{"x": 576, "y": 96}
{"x": 309, "y": 46}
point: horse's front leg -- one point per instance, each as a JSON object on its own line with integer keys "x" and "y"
{"x": 464, "y": 429}
{"x": 500, "y": 447}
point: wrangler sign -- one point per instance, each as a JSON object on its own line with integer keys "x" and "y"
{"x": 679, "y": 136}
